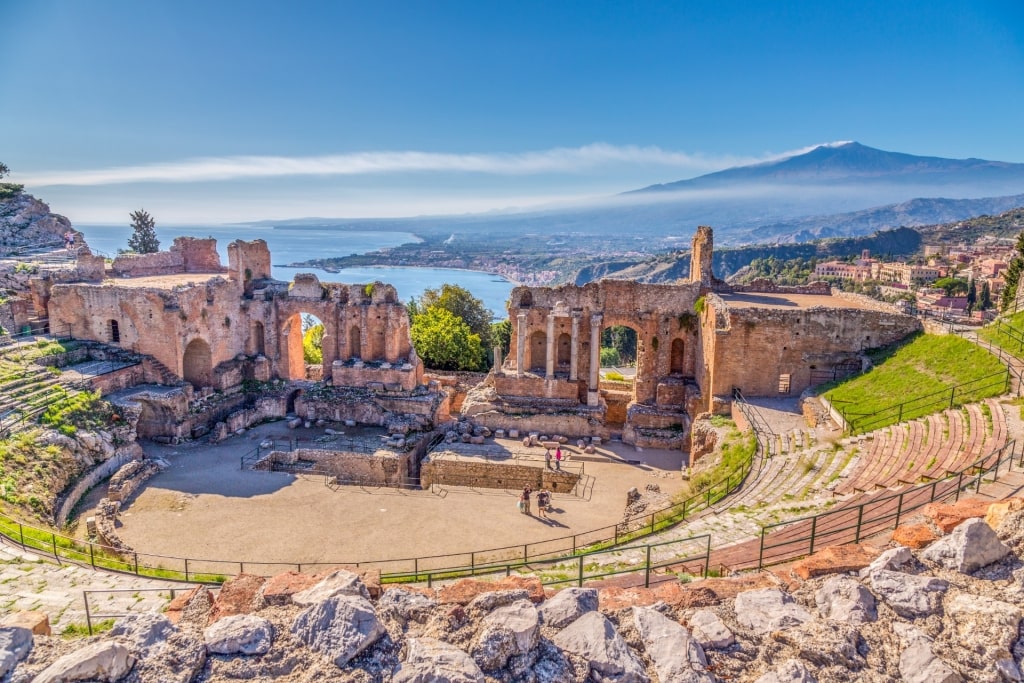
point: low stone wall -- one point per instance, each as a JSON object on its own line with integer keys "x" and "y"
{"x": 130, "y": 478}
{"x": 106, "y": 527}
{"x": 374, "y": 469}
{"x": 449, "y": 472}
{"x": 401, "y": 378}
{"x": 533, "y": 386}
{"x": 141, "y": 265}
{"x": 90, "y": 479}
{"x": 570, "y": 424}
{"x": 764, "y": 285}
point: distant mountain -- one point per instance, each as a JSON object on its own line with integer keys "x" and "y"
{"x": 853, "y": 163}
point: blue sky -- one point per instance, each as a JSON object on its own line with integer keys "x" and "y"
{"x": 218, "y": 111}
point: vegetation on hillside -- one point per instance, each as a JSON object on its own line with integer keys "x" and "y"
{"x": 8, "y": 190}
{"x": 925, "y": 365}
{"x": 1012, "y": 276}
{"x": 32, "y": 474}
{"x": 1006, "y": 333}
{"x": 83, "y": 410}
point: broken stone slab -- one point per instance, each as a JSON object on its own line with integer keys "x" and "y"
{"x": 918, "y": 664}
{"x": 892, "y": 560}
{"x": 15, "y": 645}
{"x": 476, "y": 440}
{"x": 710, "y": 631}
{"x": 349, "y": 423}
{"x": 834, "y": 559}
{"x": 241, "y": 634}
{"x": 915, "y": 536}
{"x": 845, "y": 599}
{"x": 429, "y": 660}
{"x": 295, "y": 423}
{"x": 485, "y": 602}
{"x": 340, "y": 582}
{"x": 106, "y": 660}
{"x": 568, "y": 605}
{"x": 339, "y": 628}
{"x": 971, "y": 546}
{"x": 513, "y": 433}
{"x": 790, "y": 671}
{"x": 674, "y": 652}
{"x": 594, "y": 638}
{"x": 769, "y": 609}
{"x": 997, "y": 512}
{"x": 909, "y": 596}
{"x": 507, "y": 631}
{"x": 239, "y": 595}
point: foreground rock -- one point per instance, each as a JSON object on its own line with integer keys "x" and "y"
{"x": 768, "y": 610}
{"x": 15, "y": 644}
{"x": 971, "y": 546}
{"x": 339, "y": 627}
{"x": 567, "y": 606}
{"x": 102, "y": 661}
{"x": 595, "y": 639}
{"x": 676, "y": 655}
{"x": 242, "y": 634}
{"x": 910, "y": 596}
{"x": 429, "y": 660}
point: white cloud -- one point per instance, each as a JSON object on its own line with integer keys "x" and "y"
{"x": 557, "y": 160}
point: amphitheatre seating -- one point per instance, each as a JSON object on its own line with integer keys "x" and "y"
{"x": 929, "y": 448}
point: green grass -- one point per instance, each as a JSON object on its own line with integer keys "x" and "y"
{"x": 82, "y": 630}
{"x": 927, "y": 365}
{"x": 1007, "y": 334}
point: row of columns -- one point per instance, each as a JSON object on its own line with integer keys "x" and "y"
{"x": 593, "y": 380}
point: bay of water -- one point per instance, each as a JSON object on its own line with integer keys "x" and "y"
{"x": 290, "y": 245}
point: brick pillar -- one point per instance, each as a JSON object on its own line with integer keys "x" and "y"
{"x": 595, "y": 360}
{"x": 551, "y": 347}
{"x": 520, "y": 343}
{"x": 573, "y": 351}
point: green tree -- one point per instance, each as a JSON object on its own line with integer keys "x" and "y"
{"x": 609, "y": 357}
{"x": 445, "y": 342}
{"x": 985, "y": 302}
{"x": 312, "y": 340}
{"x": 623, "y": 340}
{"x": 143, "y": 239}
{"x": 8, "y": 190}
{"x": 461, "y": 303}
{"x": 972, "y": 297}
{"x": 501, "y": 335}
{"x": 3, "y": 170}
{"x": 1012, "y": 276}
{"x": 952, "y": 285}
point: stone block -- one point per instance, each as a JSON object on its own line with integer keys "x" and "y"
{"x": 36, "y": 622}
{"x": 834, "y": 559}
{"x": 949, "y": 516}
{"x": 997, "y": 512}
{"x": 914, "y": 535}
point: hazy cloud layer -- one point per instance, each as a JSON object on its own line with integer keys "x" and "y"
{"x": 558, "y": 160}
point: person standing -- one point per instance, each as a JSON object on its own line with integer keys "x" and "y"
{"x": 558, "y": 458}
{"x": 526, "y": 500}
{"x": 547, "y": 458}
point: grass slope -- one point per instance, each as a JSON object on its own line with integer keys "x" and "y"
{"x": 919, "y": 374}
{"x": 1007, "y": 333}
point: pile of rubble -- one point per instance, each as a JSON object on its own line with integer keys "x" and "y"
{"x": 949, "y": 612}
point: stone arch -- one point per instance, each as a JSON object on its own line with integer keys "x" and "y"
{"x": 114, "y": 328}
{"x": 197, "y": 364}
{"x": 355, "y": 341}
{"x": 563, "y": 353}
{"x": 293, "y": 361}
{"x": 526, "y": 300}
{"x": 538, "y": 351}
{"x": 677, "y": 357}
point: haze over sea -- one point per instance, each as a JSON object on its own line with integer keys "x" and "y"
{"x": 291, "y": 245}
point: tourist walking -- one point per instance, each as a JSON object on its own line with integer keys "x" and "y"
{"x": 558, "y": 458}
{"x": 547, "y": 458}
{"x": 525, "y": 499}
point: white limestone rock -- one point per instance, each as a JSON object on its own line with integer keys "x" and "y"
{"x": 918, "y": 664}
{"x": 163, "y": 653}
{"x": 340, "y": 582}
{"x": 485, "y": 602}
{"x": 983, "y": 624}
{"x": 790, "y": 671}
{"x": 892, "y": 560}
{"x": 406, "y": 605}
{"x": 970, "y": 546}
{"x": 710, "y": 631}
{"x": 909, "y": 596}
{"x": 677, "y": 657}
{"x": 239, "y": 634}
{"x": 15, "y": 645}
{"x": 105, "y": 660}
{"x": 339, "y": 628}
{"x": 595, "y": 639}
{"x": 768, "y": 609}
{"x": 429, "y": 660}
{"x": 507, "y": 631}
{"x": 842, "y": 598}
{"x": 568, "y": 605}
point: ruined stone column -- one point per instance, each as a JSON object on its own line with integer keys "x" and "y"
{"x": 550, "y": 369}
{"x": 364, "y": 334}
{"x": 595, "y": 360}
{"x": 573, "y": 352}
{"x": 520, "y": 343}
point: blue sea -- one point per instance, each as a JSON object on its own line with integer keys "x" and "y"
{"x": 291, "y": 245}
